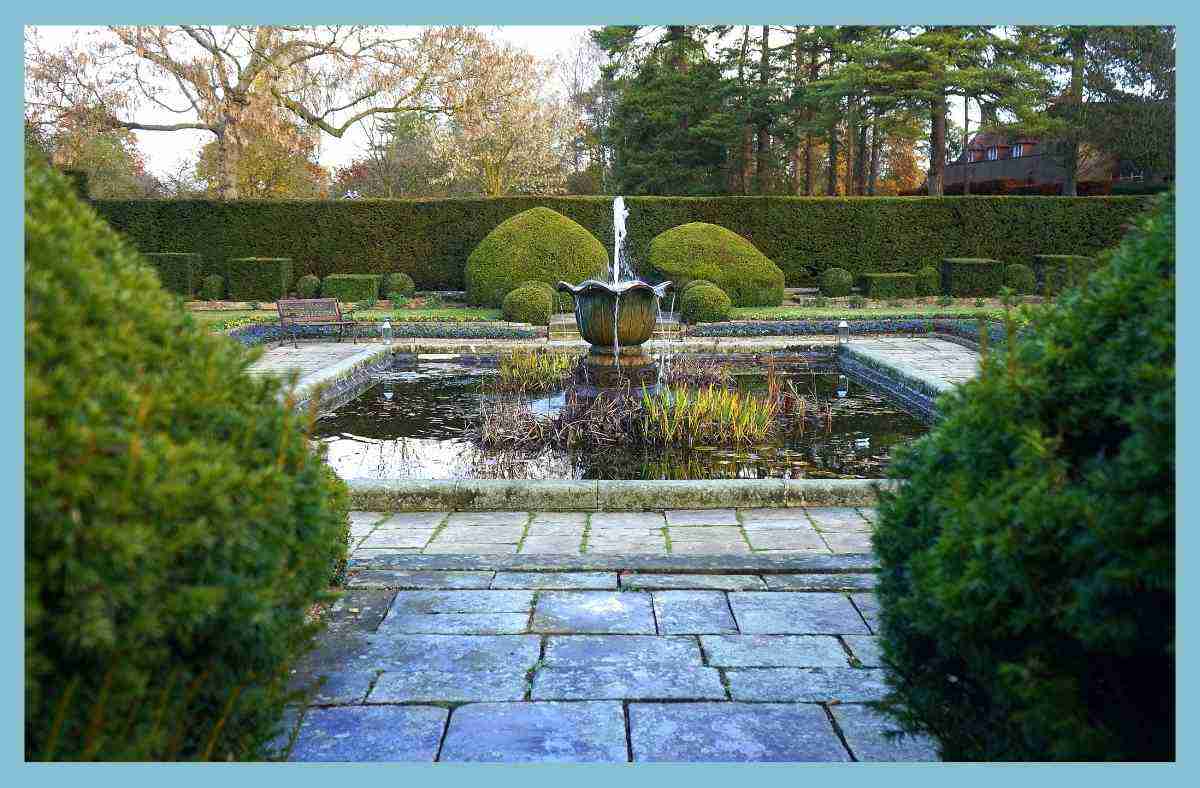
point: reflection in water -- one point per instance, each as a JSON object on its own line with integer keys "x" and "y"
{"x": 411, "y": 425}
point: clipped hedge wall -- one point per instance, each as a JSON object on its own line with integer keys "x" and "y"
{"x": 964, "y": 276}
{"x": 308, "y": 286}
{"x": 1055, "y": 273}
{"x": 1020, "y": 278}
{"x": 258, "y": 278}
{"x": 889, "y": 285}
{"x": 397, "y": 285}
{"x": 929, "y": 281}
{"x": 430, "y": 240}
{"x": 176, "y": 270}
{"x": 351, "y": 288}
{"x": 213, "y": 288}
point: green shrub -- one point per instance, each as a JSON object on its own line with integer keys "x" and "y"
{"x": 537, "y": 244}
{"x": 929, "y": 281}
{"x": 529, "y": 304}
{"x": 179, "y": 526}
{"x": 396, "y": 285}
{"x": 258, "y": 278}
{"x": 708, "y": 251}
{"x": 970, "y": 276}
{"x": 856, "y": 302}
{"x": 1020, "y": 279}
{"x": 1055, "y": 273}
{"x": 308, "y": 286}
{"x": 351, "y": 288}
{"x": 430, "y": 240}
{"x": 1027, "y": 566}
{"x": 176, "y": 270}
{"x": 561, "y": 301}
{"x": 682, "y": 291}
{"x": 836, "y": 282}
{"x": 881, "y": 286}
{"x": 213, "y": 288}
{"x": 945, "y": 300}
{"x": 705, "y": 304}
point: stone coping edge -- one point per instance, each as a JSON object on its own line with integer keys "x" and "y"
{"x": 449, "y": 495}
{"x": 846, "y": 563}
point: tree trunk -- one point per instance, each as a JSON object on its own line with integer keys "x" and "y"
{"x": 797, "y": 151}
{"x": 966, "y": 156}
{"x": 831, "y": 183}
{"x": 876, "y": 154}
{"x": 937, "y": 146}
{"x": 227, "y": 156}
{"x": 1071, "y": 157}
{"x": 851, "y": 136}
{"x": 747, "y": 140}
{"x": 810, "y": 179}
{"x": 860, "y": 163}
{"x": 764, "y": 133}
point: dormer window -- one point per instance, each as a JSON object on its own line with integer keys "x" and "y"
{"x": 993, "y": 153}
{"x": 1018, "y": 150}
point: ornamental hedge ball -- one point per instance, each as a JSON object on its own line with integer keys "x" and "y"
{"x": 708, "y": 251}
{"x": 705, "y": 303}
{"x": 836, "y": 282}
{"x": 929, "y": 281}
{"x": 536, "y": 244}
{"x": 179, "y": 524}
{"x": 397, "y": 284}
{"x": 529, "y": 304}
{"x": 1027, "y": 567}
{"x": 212, "y": 288}
{"x": 308, "y": 286}
{"x": 1020, "y": 278}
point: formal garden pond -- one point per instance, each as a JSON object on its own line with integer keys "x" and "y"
{"x": 419, "y": 421}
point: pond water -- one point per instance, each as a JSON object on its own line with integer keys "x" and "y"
{"x": 411, "y": 424}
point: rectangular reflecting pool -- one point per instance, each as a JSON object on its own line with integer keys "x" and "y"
{"x": 415, "y": 423}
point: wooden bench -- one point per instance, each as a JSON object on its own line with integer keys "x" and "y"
{"x": 296, "y": 312}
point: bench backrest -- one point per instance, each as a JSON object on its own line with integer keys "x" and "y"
{"x": 308, "y": 310}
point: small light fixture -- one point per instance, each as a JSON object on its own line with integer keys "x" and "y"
{"x": 843, "y": 333}
{"x": 387, "y": 332}
{"x": 843, "y": 386}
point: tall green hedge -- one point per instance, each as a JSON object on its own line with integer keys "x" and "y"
{"x": 176, "y": 270}
{"x": 351, "y": 288}
{"x": 258, "y": 278}
{"x": 889, "y": 285}
{"x": 1057, "y": 272}
{"x": 431, "y": 239}
{"x": 962, "y": 276}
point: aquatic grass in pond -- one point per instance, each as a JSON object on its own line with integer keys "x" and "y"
{"x": 678, "y": 416}
{"x": 532, "y": 371}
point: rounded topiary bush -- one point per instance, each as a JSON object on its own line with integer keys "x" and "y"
{"x": 693, "y": 283}
{"x": 1020, "y": 278}
{"x": 561, "y": 301}
{"x": 705, "y": 303}
{"x": 536, "y": 244}
{"x": 928, "y": 281}
{"x": 308, "y": 286}
{"x": 836, "y": 282}
{"x": 179, "y": 527}
{"x": 1027, "y": 566}
{"x": 397, "y": 285}
{"x": 212, "y": 287}
{"x": 708, "y": 251}
{"x": 529, "y": 304}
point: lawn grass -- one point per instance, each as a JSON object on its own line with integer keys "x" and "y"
{"x": 219, "y": 319}
{"x": 862, "y": 313}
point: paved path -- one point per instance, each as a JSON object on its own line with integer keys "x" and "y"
{"x": 309, "y": 358}
{"x": 517, "y": 666}
{"x": 937, "y": 361}
{"x": 775, "y": 532}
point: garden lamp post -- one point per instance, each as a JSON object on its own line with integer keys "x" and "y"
{"x": 843, "y": 334}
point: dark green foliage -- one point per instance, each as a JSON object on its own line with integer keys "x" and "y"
{"x": 682, "y": 291}
{"x": 176, "y": 270}
{"x": 1058, "y": 272}
{"x": 351, "y": 288}
{"x": 430, "y": 240}
{"x": 972, "y": 276}
{"x": 562, "y": 301}
{"x": 536, "y": 244}
{"x": 836, "y": 282}
{"x": 258, "y": 278}
{"x": 179, "y": 525}
{"x": 929, "y": 281}
{"x": 705, "y": 304}
{"x": 308, "y": 286}
{"x": 79, "y": 182}
{"x": 707, "y": 251}
{"x": 531, "y": 303}
{"x": 882, "y": 286}
{"x": 1019, "y": 278}
{"x": 213, "y": 288}
{"x": 1027, "y": 567}
{"x": 397, "y": 285}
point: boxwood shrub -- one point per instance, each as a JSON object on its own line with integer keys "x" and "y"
{"x": 836, "y": 282}
{"x": 308, "y": 286}
{"x": 532, "y": 303}
{"x": 430, "y": 240}
{"x": 1058, "y": 272}
{"x": 970, "y": 276}
{"x": 258, "y": 278}
{"x": 176, "y": 270}
{"x": 889, "y": 285}
{"x": 213, "y": 288}
{"x": 707, "y": 251}
{"x": 929, "y": 281}
{"x": 351, "y": 288}
{"x": 179, "y": 525}
{"x": 1027, "y": 567}
{"x": 396, "y": 285}
{"x": 705, "y": 303}
{"x": 1020, "y": 278}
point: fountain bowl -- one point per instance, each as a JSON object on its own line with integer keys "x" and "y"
{"x": 632, "y": 305}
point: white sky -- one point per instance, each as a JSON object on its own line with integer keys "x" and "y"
{"x": 165, "y": 150}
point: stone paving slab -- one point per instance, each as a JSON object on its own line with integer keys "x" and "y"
{"x": 724, "y": 732}
{"x": 594, "y": 612}
{"x": 627, "y": 650}
{"x": 537, "y": 732}
{"x": 814, "y": 582}
{"x": 459, "y": 623}
{"x": 401, "y": 520}
{"x": 752, "y": 563}
{"x": 488, "y": 518}
{"x": 692, "y": 613}
{"x": 687, "y": 517}
{"x": 809, "y": 685}
{"x": 865, "y": 731}
{"x": 457, "y": 686}
{"x": 763, "y": 651}
{"x": 621, "y": 682}
{"x": 650, "y": 582}
{"x": 643, "y": 520}
{"x": 385, "y": 578}
{"x": 866, "y": 650}
{"x": 450, "y": 653}
{"x": 591, "y": 581}
{"x": 421, "y": 602}
{"x": 773, "y": 613}
{"x": 470, "y": 548}
{"x": 390, "y": 733}
{"x": 868, "y": 606}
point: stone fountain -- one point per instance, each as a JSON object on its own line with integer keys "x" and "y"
{"x": 617, "y": 317}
